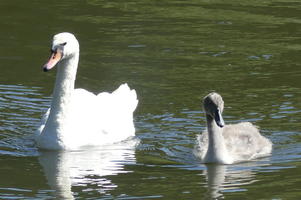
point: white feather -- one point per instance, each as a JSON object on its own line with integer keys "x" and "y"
{"x": 78, "y": 117}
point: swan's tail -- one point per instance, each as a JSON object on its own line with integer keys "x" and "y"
{"x": 128, "y": 97}
{"x": 116, "y": 112}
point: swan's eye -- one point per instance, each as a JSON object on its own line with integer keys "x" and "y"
{"x": 63, "y": 44}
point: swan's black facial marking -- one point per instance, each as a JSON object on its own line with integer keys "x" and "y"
{"x": 60, "y": 46}
{"x": 55, "y": 57}
{"x": 210, "y": 107}
{"x": 54, "y": 52}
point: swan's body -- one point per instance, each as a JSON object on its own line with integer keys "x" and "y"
{"x": 77, "y": 117}
{"x": 227, "y": 144}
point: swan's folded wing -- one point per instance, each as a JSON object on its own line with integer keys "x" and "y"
{"x": 116, "y": 110}
{"x": 127, "y": 98}
{"x": 245, "y": 141}
{"x": 101, "y": 119}
{"x": 42, "y": 123}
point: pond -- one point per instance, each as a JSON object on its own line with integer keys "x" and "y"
{"x": 172, "y": 53}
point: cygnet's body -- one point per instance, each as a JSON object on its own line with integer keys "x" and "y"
{"x": 227, "y": 144}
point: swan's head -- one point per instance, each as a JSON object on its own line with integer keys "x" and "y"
{"x": 64, "y": 46}
{"x": 214, "y": 106}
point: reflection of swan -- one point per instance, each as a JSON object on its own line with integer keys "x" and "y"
{"x": 231, "y": 143}
{"x": 215, "y": 175}
{"x": 221, "y": 178}
{"x": 78, "y": 117}
{"x": 65, "y": 169}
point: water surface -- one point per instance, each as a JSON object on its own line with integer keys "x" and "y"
{"x": 173, "y": 53}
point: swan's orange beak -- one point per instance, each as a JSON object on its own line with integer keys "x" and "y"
{"x": 53, "y": 60}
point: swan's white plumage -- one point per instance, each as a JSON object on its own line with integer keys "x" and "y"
{"x": 78, "y": 117}
{"x": 231, "y": 143}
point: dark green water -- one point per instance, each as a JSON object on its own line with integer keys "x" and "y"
{"x": 173, "y": 53}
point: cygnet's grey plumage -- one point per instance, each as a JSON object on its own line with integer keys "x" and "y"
{"x": 227, "y": 144}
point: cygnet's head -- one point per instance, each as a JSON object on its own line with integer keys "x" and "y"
{"x": 214, "y": 106}
{"x": 64, "y": 46}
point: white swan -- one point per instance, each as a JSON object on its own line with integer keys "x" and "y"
{"x": 231, "y": 143}
{"x": 77, "y": 117}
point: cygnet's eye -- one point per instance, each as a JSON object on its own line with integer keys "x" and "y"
{"x": 63, "y": 44}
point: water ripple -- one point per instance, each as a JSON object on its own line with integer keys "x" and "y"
{"x": 21, "y": 108}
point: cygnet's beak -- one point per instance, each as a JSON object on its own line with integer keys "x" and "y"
{"x": 219, "y": 118}
{"x": 55, "y": 57}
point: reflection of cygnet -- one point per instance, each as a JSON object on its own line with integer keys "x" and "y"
{"x": 222, "y": 177}
{"x": 70, "y": 168}
{"x": 231, "y": 143}
{"x": 215, "y": 175}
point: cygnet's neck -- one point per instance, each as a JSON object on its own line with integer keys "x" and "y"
{"x": 217, "y": 151}
{"x": 64, "y": 85}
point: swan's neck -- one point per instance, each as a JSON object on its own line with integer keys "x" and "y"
{"x": 217, "y": 151}
{"x": 64, "y": 86}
